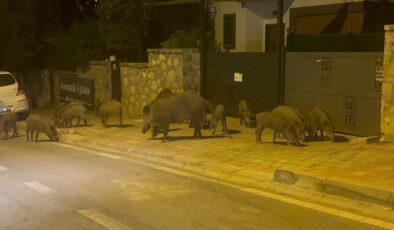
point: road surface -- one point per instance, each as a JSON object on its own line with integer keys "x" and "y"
{"x": 48, "y": 186}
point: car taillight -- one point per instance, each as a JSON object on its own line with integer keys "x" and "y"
{"x": 20, "y": 90}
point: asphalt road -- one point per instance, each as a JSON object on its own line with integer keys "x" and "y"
{"x": 47, "y": 186}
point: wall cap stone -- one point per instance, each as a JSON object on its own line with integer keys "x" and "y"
{"x": 389, "y": 27}
{"x": 98, "y": 62}
{"x": 64, "y": 72}
{"x": 173, "y": 51}
{"x": 134, "y": 64}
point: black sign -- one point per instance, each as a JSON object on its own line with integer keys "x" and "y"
{"x": 77, "y": 89}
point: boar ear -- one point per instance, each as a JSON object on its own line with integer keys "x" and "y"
{"x": 146, "y": 109}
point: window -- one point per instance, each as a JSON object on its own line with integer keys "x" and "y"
{"x": 6, "y": 79}
{"x": 229, "y": 31}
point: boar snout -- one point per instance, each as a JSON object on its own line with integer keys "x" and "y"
{"x": 145, "y": 128}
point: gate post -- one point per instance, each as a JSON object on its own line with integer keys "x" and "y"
{"x": 280, "y": 52}
{"x": 115, "y": 78}
{"x": 202, "y": 47}
{"x": 387, "y": 106}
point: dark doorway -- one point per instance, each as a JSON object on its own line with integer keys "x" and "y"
{"x": 271, "y": 37}
{"x": 229, "y": 31}
{"x": 231, "y": 77}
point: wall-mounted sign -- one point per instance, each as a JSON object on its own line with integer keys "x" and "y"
{"x": 238, "y": 77}
{"x": 77, "y": 89}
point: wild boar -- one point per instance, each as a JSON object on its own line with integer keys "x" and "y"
{"x": 8, "y": 121}
{"x": 208, "y": 114}
{"x": 307, "y": 122}
{"x": 61, "y": 108}
{"x": 36, "y": 125}
{"x": 296, "y": 125}
{"x": 245, "y": 114}
{"x": 67, "y": 115}
{"x": 110, "y": 108}
{"x": 219, "y": 114}
{"x": 321, "y": 121}
{"x": 163, "y": 93}
{"x": 174, "y": 108}
{"x": 277, "y": 124}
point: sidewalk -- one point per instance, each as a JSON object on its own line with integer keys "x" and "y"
{"x": 364, "y": 171}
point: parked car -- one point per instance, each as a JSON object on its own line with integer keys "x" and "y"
{"x": 12, "y": 96}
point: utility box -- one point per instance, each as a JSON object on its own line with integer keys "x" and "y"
{"x": 346, "y": 85}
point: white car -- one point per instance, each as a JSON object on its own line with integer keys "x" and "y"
{"x": 12, "y": 96}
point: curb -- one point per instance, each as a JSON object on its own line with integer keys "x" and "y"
{"x": 337, "y": 187}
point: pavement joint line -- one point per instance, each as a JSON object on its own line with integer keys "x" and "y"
{"x": 103, "y": 220}
{"x": 39, "y": 187}
{"x": 3, "y": 168}
{"x": 107, "y": 155}
{"x": 259, "y": 192}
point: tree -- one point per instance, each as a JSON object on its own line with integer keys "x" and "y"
{"x": 179, "y": 17}
{"x": 83, "y": 43}
{"x": 20, "y": 39}
{"x": 123, "y": 25}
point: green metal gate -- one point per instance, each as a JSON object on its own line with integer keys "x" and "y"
{"x": 231, "y": 77}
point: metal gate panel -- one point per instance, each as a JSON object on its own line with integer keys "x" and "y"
{"x": 344, "y": 84}
{"x": 232, "y": 77}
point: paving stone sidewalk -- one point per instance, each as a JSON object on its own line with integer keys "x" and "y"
{"x": 370, "y": 165}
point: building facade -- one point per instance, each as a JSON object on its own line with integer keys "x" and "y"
{"x": 250, "y": 26}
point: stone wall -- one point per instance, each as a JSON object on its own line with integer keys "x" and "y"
{"x": 387, "y": 112}
{"x": 100, "y": 71}
{"x": 176, "y": 69}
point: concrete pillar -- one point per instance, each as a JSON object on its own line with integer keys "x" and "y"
{"x": 387, "y": 109}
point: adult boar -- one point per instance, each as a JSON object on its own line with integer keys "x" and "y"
{"x": 174, "y": 108}
{"x": 35, "y": 125}
{"x": 62, "y": 107}
{"x": 245, "y": 114}
{"x": 219, "y": 114}
{"x": 296, "y": 124}
{"x": 321, "y": 121}
{"x": 8, "y": 121}
{"x": 275, "y": 123}
{"x": 110, "y": 108}
{"x": 76, "y": 111}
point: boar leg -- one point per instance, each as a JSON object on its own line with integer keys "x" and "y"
{"x": 27, "y": 134}
{"x": 120, "y": 120}
{"x": 102, "y": 120}
{"x": 15, "y": 130}
{"x": 259, "y": 130}
{"x": 85, "y": 120}
{"x": 165, "y": 127}
{"x": 32, "y": 135}
{"x": 213, "y": 126}
{"x": 5, "y": 131}
{"x": 224, "y": 125}
{"x": 274, "y": 137}
{"x": 36, "y": 136}
{"x": 197, "y": 127}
